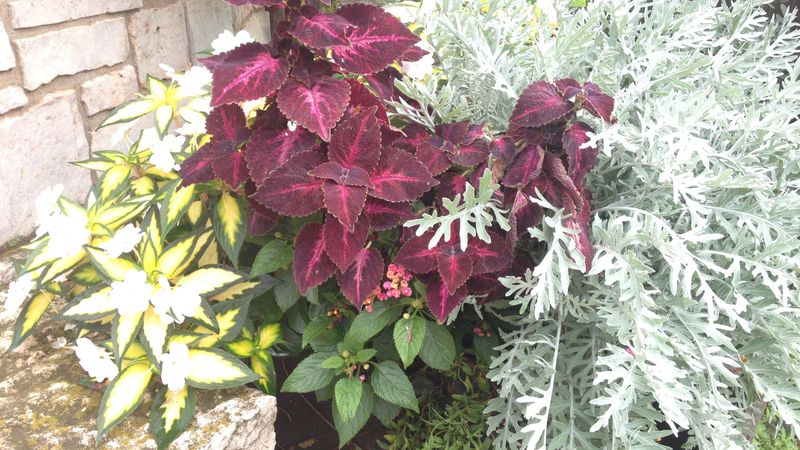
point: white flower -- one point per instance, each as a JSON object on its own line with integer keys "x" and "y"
{"x": 194, "y": 122}
{"x": 132, "y": 294}
{"x": 95, "y": 360}
{"x": 123, "y": 241}
{"x": 291, "y": 126}
{"x": 162, "y": 151}
{"x": 180, "y": 301}
{"x": 68, "y": 234}
{"x": 195, "y": 82}
{"x": 175, "y": 366}
{"x": 46, "y": 206}
{"x": 421, "y": 68}
{"x": 148, "y": 139}
{"x": 250, "y": 106}
{"x": 18, "y": 292}
{"x": 406, "y": 14}
{"x": 227, "y": 41}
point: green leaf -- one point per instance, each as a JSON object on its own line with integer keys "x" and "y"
{"x": 171, "y": 414}
{"x": 438, "y": 349}
{"x": 385, "y": 411}
{"x": 29, "y": 317}
{"x": 263, "y": 365}
{"x": 347, "y": 396}
{"x": 308, "y": 376}
{"x": 392, "y": 384}
{"x": 211, "y": 368}
{"x": 275, "y": 255}
{"x": 408, "y": 336}
{"x": 365, "y": 355}
{"x": 122, "y": 396}
{"x": 348, "y": 429}
{"x": 230, "y": 225}
{"x": 485, "y": 348}
{"x": 286, "y": 292}
{"x": 315, "y": 328}
{"x": 367, "y": 324}
{"x": 334, "y": 362}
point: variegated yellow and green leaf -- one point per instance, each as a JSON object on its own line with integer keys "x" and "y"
{"x": 96, "y": 164}
{"x": 230, "y": 225}
{"x": 114, "y": 181}
{"x": 29, "y": 317}
{"x": 210, "y": 256}
{"x": 179, "y": 255}
{"x": 242, "y": 347}
{"x": 143, "y": 185}
{"x": 123, "y": 396}
{"x": 152, "y": 245}
{"x": 176, "y": 203}
{"x": 86, "y": 275}
{"x": 230, "y": 317}
{"x": 131, "y": 111}
{"x": 171, "y": 414}
{"x": 264, "y": 366}
{"x": 210, "y": 280}
{"x": 157, "y": 88}
{"x": 63, "y": 265}
{"x": 268, "y": 335}
{"x": 195, "y": 212}
{"x": 135, "y": 352}
{"x": 236, "y": 291}
{"x": 163, "y": 118}
{"x": 115, "y": 216}
{"x": 211, "y": 368}
{"x": 112, "y": 269}
{"x": 187, "y": 338}
{"x": 205, "y": 317}
{"x": 124, "y": 331}
{"x": 154, "y": 330}
{"x": 92, "y": 304}
{"x": 71, "y": 208}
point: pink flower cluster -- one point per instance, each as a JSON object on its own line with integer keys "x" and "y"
{"x": 395, "y": 286}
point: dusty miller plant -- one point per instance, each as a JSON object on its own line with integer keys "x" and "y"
{"x": 689, "y": 314}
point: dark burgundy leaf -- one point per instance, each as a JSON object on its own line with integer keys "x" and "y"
{"x": 483, "y": 284}
{"x": 231, "y": 168}
{"x": 415, "y": 255}
{"x": 354, "y": 176}
{"x": 357, "y": 141}
{"x": 321, "y": 30}
{"x": 490, "y": 257}
{"x": 414, "y": 136}
{"x": 569, "y": 192}
{"x": 470, "y": 155}
{"x": 378, "y": 39}
{"x": 525, "y": 167}
{"x": 598, "y": 103}
{"x": 568, "y": 87}
{"x": 454, "y": 132}
{"x": 311, "y": 265}
{"x": 362, "y": 98}
{"x": 344, "y": 202}
{"x": 270, "y": 149}
{"x": 228, "y": 123}
{"x": 259, "y": 224}
{"x": 362, "y": 277}
{"x": 455, "y": 267}
{"x": 415, "y": 53}
{"x": 384, "y": 215}
{"x": 266, "y": 3}
{"x": 389, "y": 135}
{"x": 539, "y": 104}
{"x": 474, "y": 132}
{"x": 523, "y": 215}
{"x": 503, "y": 149}
{"x": 248, "y": 72}
{"x": 450, "y": 185}
{"x": 308, "y": 69}
{"x": 580, "y": 222}
{"x": 383, "y": 83}
{"x": 434, "y": 159}
{"x": 316, "y": 108}
{"x": 440, "y": 301}
{"x": 580, "y": 160}
{"x": 342, "y": 245}
{"x": 197, "y": 168}
{"x": 400, "y": 177}
{"x": 270, "y": 118}
{"x": 290, "y": 191}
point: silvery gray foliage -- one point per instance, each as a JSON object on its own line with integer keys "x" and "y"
{"x": 691, "y": 301}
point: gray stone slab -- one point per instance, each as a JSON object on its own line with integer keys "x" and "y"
{"x": 33, "y": 13}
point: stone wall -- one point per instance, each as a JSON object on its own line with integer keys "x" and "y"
{"x": 65, "y": 63}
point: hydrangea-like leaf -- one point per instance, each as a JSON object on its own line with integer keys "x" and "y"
{"x": 317, "y": 107}
{"x": 455, "y": 267}
{"x": 378, "y": 39}
{"x": 357, "y": 141}
{"x": 291, "y": 191}
{"x": 440, "y": 301}
{"x": 384, "y": 215}
{"x": 353, "y": 176}
{"x": 344, "y": 202}
{"x": 362, "y": 277}
{"x": 400, "y": 177}
{"x": 321, "y": 30}
{"x": 539, "y": 104}
{"x": 270, "y": 149}
{"x": 525, "y": 167}
{"x": 341, "y": 244}
{"x": 580, "y": 160}
{"x": 598, "y": 103}
{"x": 311, "y": 265}
{"x": 490, "y": 257}
{"x": 248, "y": 72}
{"x": 416, "y": 256}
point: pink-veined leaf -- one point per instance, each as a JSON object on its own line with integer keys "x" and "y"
{"x": 415, "y": 255}
{"x": 316, "y": 108}
{"x": 228, "y": 123}
{"x": 357, "y": 141}
{"x": 291, "y": 191}
{"x": 568, "y": 194}
{"x": 197, "y": 168}
{"x": 384, "y": 215}
{"x": 598, "y": 103}
{"x": 568, "y": 87}
{"x": 383, "y": 83}
{"x": 362, "y": 98}
{"x": 454, "y": 132}
{"x": 454, "y": 266}
{"x": 483, "y": 284}
{"x": 311, "y": 265}
{"x": 266, "y": 3}
{"x": 378, "y": 39}
{"x": 522, "y": 215}
{"x": 450, "y": 185}
{"x": 269, "y": 149}
{"x": 434, "y": 159}
{"x": 414, "y": 135}
{"x": 321, "y": 30}
{"x": 440, "y": 301}
{"x": 344, "y": 202}
{"x": 503, "y": 149}
{"x": 525, "y": 167}
{"x": 490, "y": 257}
{"x": 539, "y": 104}
{"x": 342, "y": 245}
{"x": 400, "y": 177}
{"x": 260, "y": 223}
{"x": 362, "y": 277}
{"x": 580, "y": 223}
{"x": 354, "y": 176}
{"x": 231, "y": 168}
{"x": 471, "y": 154}
{"x": 248, "y": 72}
{"x": 580, "y": 160}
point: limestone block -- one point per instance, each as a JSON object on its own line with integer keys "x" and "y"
{"x": 109, "y": 90}
{"x": 33, "y": 13}
{"x": 159, "y": 36}
{"x": 7, "y": 60}
{"x": 206, "y": 19}
{"x": 257, "y": 24}
{"x": 71, "y": 50}
{"x": 12, "y": 97}
{"x": 35, "y": 150}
